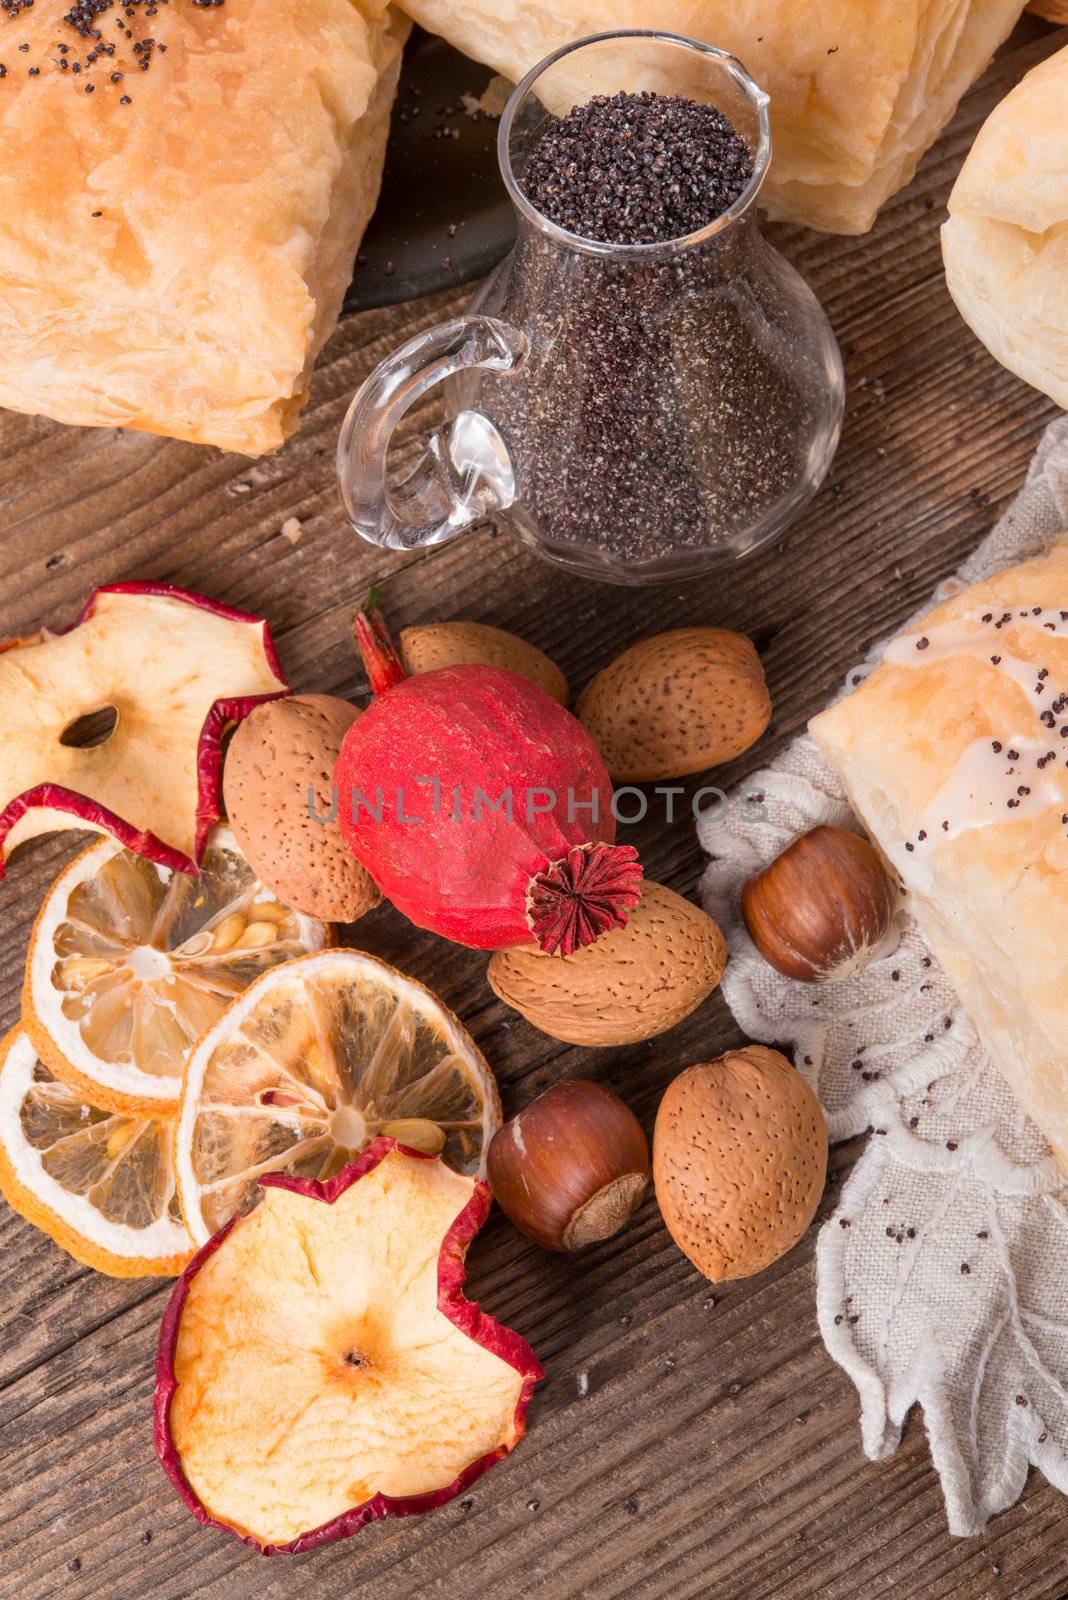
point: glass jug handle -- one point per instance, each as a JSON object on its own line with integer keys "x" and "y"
{"x": 465, "y": 473}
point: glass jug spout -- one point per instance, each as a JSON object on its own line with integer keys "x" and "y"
{"x": 465, "y": 473}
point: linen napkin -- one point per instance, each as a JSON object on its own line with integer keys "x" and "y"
{"x": 942, "y": 1277}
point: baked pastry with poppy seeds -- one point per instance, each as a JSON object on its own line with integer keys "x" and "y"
{"x": 859, "y": 88}
{"x": 954, "y": 752}
{"x": 1005, "y": 244}
{"x": 183, "y": 189}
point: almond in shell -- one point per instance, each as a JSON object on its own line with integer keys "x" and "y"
{"x": 676, "y": 703}
{"x": 739, "y": 1161}
{"x": 630, "y": 984}
{"x": 278, "y": 789}
{"x": 451, "y": 644}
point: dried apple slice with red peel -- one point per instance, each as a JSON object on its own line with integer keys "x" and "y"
{"x": 319, "y": 1366}
{"x": 178, "y": 669}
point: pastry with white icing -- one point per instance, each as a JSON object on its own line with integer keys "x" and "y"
{"x": 955, "y": 755}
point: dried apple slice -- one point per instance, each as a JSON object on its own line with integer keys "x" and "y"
{"x": 129, "y": 962}
{"x": 319, "y": 1366}
{"x": 178, "y": 670}
{"x": 100, "y": 1183}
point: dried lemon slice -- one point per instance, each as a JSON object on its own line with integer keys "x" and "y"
{"x": 100, "y": 1183}
{"x": 310, "y": 1064}
{"x": 129, "y": 962}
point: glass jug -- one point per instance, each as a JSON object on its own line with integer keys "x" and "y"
{"x": 632, "y": 412}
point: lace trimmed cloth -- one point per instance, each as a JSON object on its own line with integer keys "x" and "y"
{"x": 942, "y": 1277}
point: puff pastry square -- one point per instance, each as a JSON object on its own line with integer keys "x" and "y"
{"x": 859, "y": 88}
{"x": 955, "y": 755}
{"x": 1005, "y": 245}
{"x": 175, "y": 263}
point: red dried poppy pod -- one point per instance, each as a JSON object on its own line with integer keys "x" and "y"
{"x": 492, "y": 824}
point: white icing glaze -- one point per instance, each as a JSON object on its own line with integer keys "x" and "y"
{"x": 1016, "y": 776}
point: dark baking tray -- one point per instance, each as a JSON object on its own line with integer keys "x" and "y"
{"x": 441, "y": 173}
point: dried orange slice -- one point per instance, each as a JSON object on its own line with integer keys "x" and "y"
{"x": 100, "y": 1183}
{"x": 311, "y": 1063}
{"x": 129, "y": 962}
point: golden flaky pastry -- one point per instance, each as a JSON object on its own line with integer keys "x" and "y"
{"x": 1006, "y": 242}
{"x": 954, "y": 755}
{"x": 175, "y": 263}
{"x": 859, "y": 88}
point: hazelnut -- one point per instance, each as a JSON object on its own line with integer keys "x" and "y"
{"x": 572, "y": 1167}
{"x": 823, "y": 908}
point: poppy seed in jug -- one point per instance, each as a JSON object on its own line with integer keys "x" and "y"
{"x": 661, "y": 405}
{"x": 638, "y": 168}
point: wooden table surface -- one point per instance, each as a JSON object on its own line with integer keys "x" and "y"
{"x": 684, "y": 1443}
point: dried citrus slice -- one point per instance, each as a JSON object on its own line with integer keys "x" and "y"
{"x": 315, "y": 1060}
{"x": 100, "y": 1183}
{"x": 129, "y": 962}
